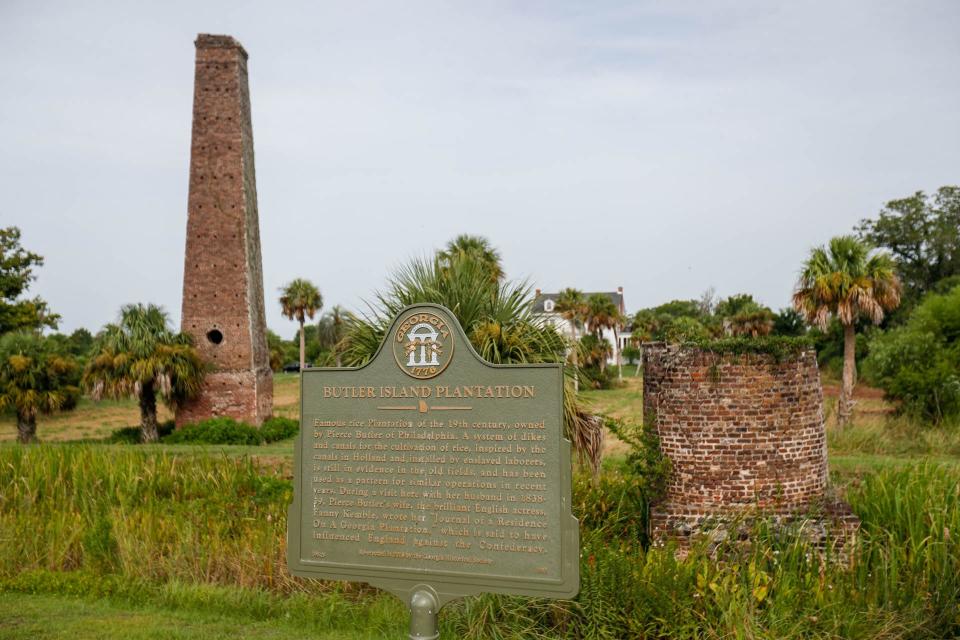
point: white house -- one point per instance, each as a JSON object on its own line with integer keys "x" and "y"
{"x": 544, "y": 306}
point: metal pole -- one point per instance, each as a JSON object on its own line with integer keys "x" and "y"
{"x": 423, "y": 614}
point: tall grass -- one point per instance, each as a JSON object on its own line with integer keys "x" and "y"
{"x": 148, "y": 516}
{"x": 897, "y": 435}
{"x": 83, "y": 519}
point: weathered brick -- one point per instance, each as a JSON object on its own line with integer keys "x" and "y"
{"x": 745, "y": 436}
{"x": 222, "y": 275}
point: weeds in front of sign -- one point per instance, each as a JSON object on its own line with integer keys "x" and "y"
{"x": 207, "y": 533}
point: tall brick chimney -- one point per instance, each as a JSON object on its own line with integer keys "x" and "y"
{"x": 222, "y": 275}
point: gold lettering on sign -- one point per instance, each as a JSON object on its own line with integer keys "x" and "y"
{"x": 424, "y": 392}
{"x": 438, "y": 491}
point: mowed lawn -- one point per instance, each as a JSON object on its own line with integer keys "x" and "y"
{"x": 46, "y": 617}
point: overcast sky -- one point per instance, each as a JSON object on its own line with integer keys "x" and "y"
{"x": 665, "y": 147}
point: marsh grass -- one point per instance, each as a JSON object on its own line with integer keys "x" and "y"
{"x": 208, "y": 532}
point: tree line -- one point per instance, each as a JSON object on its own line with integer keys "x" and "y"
{"x": 887, "y": 295}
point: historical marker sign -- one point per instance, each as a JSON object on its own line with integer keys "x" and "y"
{"x": 431, "y": 467}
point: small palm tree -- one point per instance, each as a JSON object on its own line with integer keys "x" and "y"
{"x": 301, "y": 300}
{"x": 142, "y": 356}
{"x": 478, "y": 248}
{"x": 846, "y": 280}
{"x": 602, "y": 313}
{"x": 572, "y": 307}
{"x": 497, "y": 317}
{"x": 330, "y": 331}
{"x": 34, "y": 379}
{"x": 753, "y": 323}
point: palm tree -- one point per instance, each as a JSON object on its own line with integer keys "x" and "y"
{"x": 142, "y": 356}
{"x": 301, "y": 300}
{"x": 497, "y": 318}
{"x": 846, "y": 280}
{"x": 753, "y": 323}
{"x": 330, "y": 331}
{"x": 467, "y": 247}
{"x": 602, "y": 313}
{"x": 34, "y": 379}
{"x": 572, "y": 307}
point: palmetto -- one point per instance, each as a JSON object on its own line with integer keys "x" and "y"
{"x": 602, "y": 313}
{"x": 330, "y": 331}
{"x": 846, "y": 280}
{"x": 476, "y": 249}
{"x": 34, "y": 380}
{"x": 496, "y": 316}
{"x": 572, "y": 307}
{"x": 142, "y": 356}
{"x": 300, "y": 300}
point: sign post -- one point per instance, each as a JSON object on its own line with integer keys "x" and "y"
{"x": 433, "y": 474}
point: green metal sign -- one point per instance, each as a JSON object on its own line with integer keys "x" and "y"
{"x": 433, "y": 474}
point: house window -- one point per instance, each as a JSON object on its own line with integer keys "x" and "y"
{"x": 548, "y": 306}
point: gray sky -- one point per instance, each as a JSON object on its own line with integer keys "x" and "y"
{"x": 663, "y": 146}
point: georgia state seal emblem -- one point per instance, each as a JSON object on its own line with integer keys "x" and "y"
{"x": 422, "y": 345}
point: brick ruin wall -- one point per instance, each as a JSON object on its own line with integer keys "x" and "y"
{"x": 223, "y": 305}
{"x": 745, "y": 435}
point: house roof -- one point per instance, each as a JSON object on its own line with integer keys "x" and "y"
{"x": 615, "y": 296}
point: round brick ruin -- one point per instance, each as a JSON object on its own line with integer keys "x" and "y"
{"x": 745, "y": 436}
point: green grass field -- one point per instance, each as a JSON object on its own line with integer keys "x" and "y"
{"x": 46, "y": 617}
{"x": 187, "y": 541}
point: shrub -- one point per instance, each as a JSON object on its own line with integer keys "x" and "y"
{"x": 780, "y": 347}
{"x": 131, "y": 435}
{"x": 918, "y": 364}
{"x": 216, "y": 431}
{"x": 277, "y": 428}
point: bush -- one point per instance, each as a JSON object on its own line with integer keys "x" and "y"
{"x": 131, "y": 435}
{"x": 216, "y": 431}
{"x": 277, "y": 428}
{"x": 918, "y": 364}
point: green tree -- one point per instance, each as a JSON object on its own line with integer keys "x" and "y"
{"x": 789, "y": 322}
{"x": 141, "y": 356}
{"x": 849, "y": 281}
{"x": 497, "y": 318}
{"x": 281, "y": 351}
{"x": 300, "y": 300}
{"x": 596, "y": 351}
{"x": 646, "y": 326}
{"x": 923, "y": 234}
{"x": 684, "y": 329}
{"x": 736, "y": 304}
{"x": 16, "y": 273}
{"x": 478, "y": 248}
{"x": 741, "y": 315}
{"x": 572, "y": 306}
{"x": 331, "y": 330}
{"x": 918, "y": 364}
{"x": 34, "y": 379}
{"x": 603, "y": 314}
